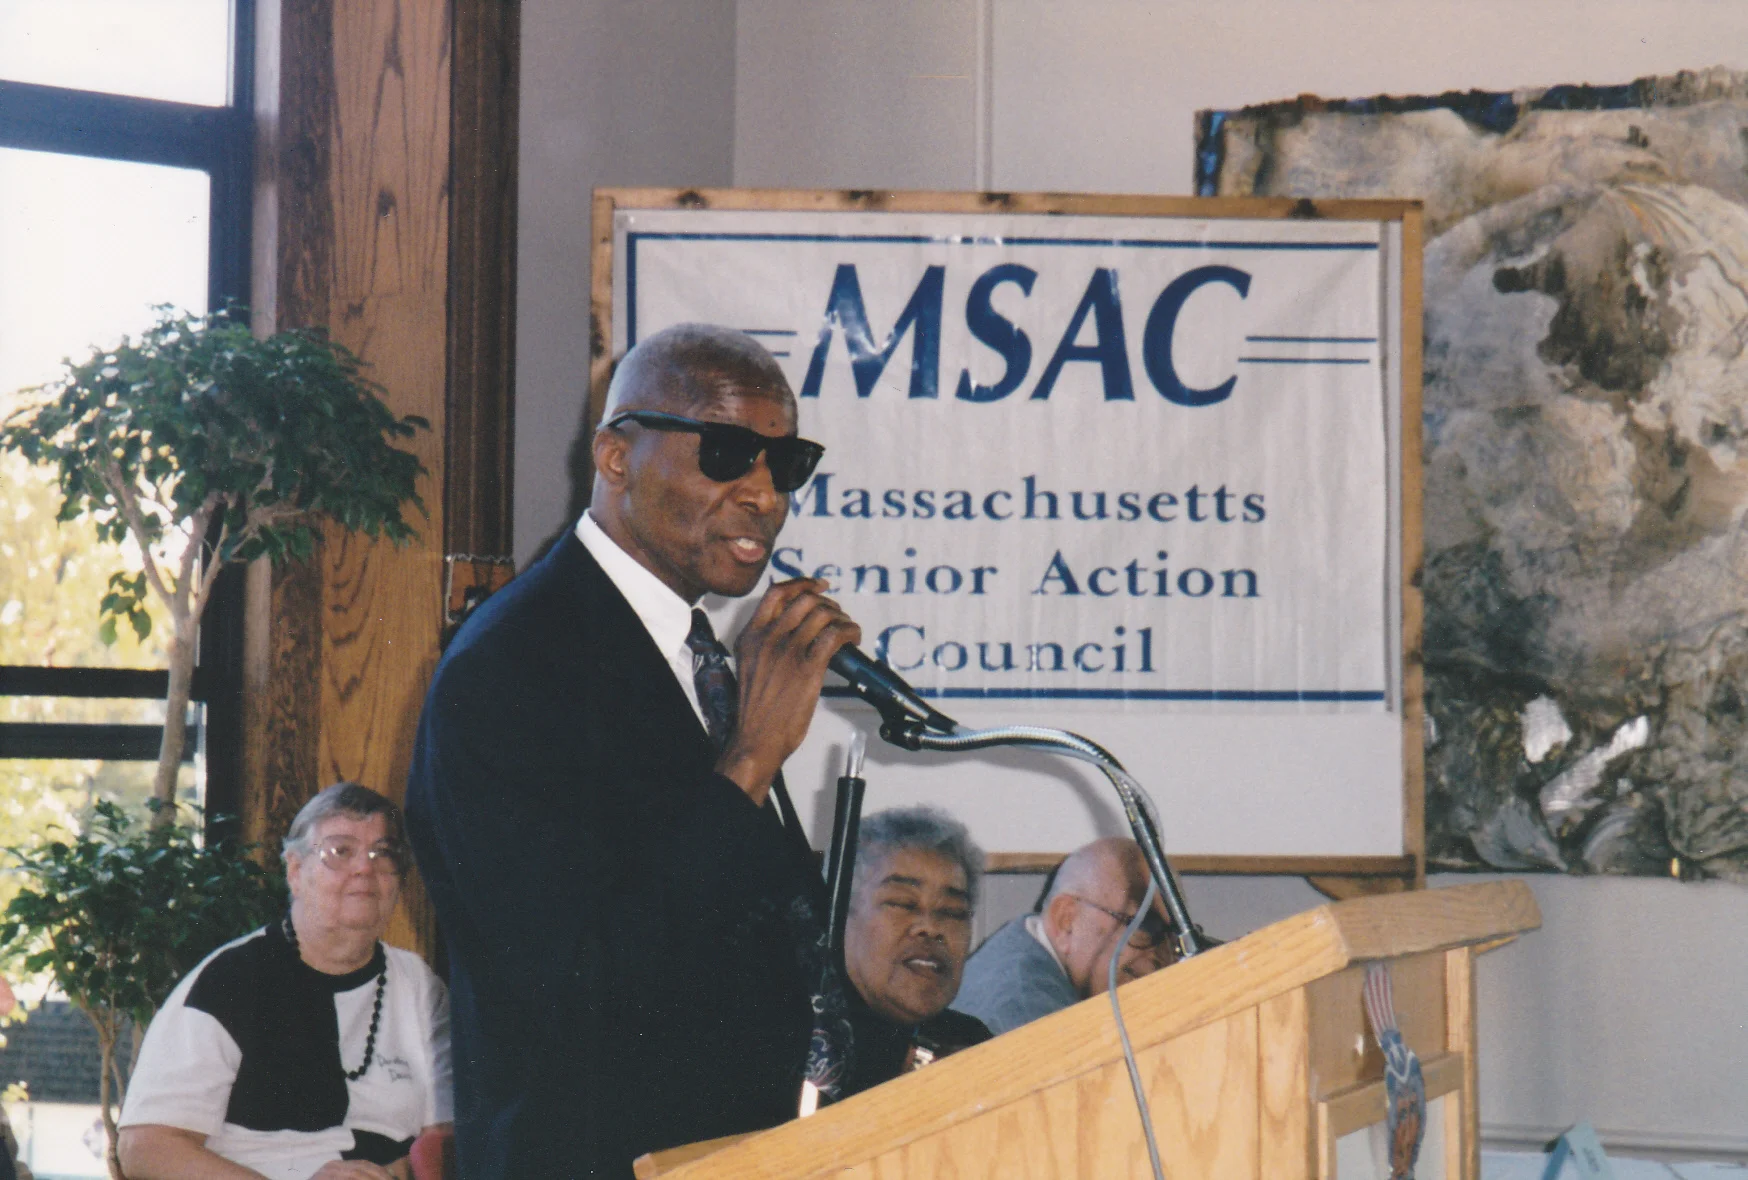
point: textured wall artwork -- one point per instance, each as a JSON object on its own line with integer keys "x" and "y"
{"x": 1586, "y": 450}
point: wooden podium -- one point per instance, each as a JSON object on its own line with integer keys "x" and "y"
{"x": 1257, "y": 1058}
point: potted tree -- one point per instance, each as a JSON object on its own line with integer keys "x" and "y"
{"x": 206, "y": 445}
{"x": 117, "y": 914}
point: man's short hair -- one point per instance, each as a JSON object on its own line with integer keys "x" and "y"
{"x": 343, "y": 798}
{"x": 687, "y": 365}
{"x": 927, "y": 828}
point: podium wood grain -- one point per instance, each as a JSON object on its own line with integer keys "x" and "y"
{"x": 1286, "y": 1145}
{"x": 1239, "y": 1050}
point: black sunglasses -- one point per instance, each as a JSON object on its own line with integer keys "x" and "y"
{"x": 726, "y": 452}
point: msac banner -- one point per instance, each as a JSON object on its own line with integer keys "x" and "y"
{"x": 1132, "y": 460}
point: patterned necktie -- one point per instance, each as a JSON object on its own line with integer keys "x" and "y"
{"x": 718, "y": 695}
{"x": 830, "y": 1046}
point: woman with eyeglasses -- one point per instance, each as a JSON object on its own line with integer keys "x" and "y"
{"x": 307, "y": 1050}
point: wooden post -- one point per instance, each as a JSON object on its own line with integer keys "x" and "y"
{"x": 356, "y": 201}
{"x": 1462, "y": 1116}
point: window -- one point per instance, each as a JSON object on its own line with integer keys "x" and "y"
{"x": 125, "y": 174}
{"x": 171, "y": 49}
{"x": 124, "y": 183}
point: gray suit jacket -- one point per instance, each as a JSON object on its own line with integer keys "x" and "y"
{"x": 1011, "y": 980}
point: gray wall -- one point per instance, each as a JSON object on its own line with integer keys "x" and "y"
{"x": 1622, "y": 1009}
{"x": 614, "y": 92}
{"x": 851, "y": 94}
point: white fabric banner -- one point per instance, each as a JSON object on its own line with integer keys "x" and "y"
{"x": 1134, "y": 461}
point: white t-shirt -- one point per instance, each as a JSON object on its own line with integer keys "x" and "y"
{"x": 252, "y": 1048}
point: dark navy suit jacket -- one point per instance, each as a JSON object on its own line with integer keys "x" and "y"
{"x": 621, "y": 922}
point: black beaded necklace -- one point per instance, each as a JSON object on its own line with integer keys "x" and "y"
{"x": 352, "y": 1075}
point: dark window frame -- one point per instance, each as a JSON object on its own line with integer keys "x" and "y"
{"x": 220, "y": 142}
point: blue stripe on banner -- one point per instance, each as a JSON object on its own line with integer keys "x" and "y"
{"x": 631, "y": 240}
{"x": 769, "y": 331}
{"x": 1133, "y": 694}
{"x": 1303, "y": 360}
{"x": 1311, "y": 339}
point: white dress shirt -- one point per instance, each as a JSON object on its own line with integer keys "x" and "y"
{"x": 665, "y": 615}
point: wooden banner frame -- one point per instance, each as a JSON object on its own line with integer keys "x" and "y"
{"x": 1337, "y": 876}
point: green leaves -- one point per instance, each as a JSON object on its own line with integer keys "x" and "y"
{"x": 281, "y": 432}
{"x": 197, "y": 424}
{"x": 126, "y": 600}
{"x": 120, "y": 912}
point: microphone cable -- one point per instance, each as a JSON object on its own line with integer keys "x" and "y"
{"x": 1123, "y": 1029}
{"x": 1136, "y": 800}
{"x": 1122, "y": 779}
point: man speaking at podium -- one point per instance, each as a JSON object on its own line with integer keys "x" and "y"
{"x": 631, "y": 913}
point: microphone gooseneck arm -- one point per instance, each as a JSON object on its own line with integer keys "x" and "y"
{"x": 911, "y": 723}
{"x": 1137, "y": 809}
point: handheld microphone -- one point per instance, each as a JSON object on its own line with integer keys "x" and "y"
{"x": 880, "y": 686}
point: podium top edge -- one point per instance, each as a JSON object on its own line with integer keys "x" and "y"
{"x": 1393, "y": 925}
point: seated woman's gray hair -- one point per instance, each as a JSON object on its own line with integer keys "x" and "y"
{"x": 343, "y": 798}
{"x": 926, "y": 828}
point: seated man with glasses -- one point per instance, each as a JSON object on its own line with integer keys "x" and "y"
{"x": 1058, "y": 955}
{"x": 306, "y": 1050}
